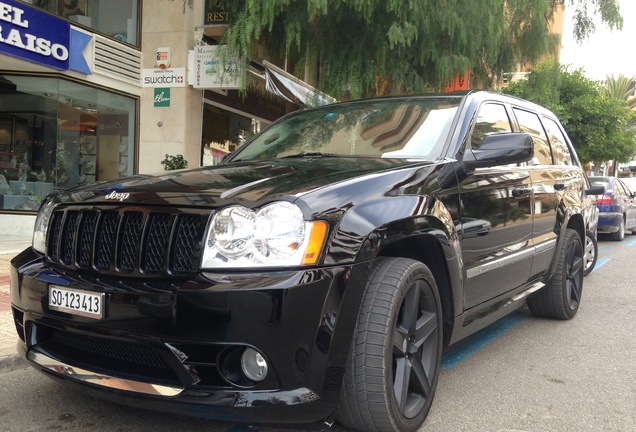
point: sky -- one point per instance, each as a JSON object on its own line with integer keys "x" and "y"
{"x": 605, "y": 52}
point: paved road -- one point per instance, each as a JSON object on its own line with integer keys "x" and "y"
{"x": 523, "y": 374}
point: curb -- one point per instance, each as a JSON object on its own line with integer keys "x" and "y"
{"x": 10, "y": 363}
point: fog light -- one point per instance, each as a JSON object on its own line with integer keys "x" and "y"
{"x": 254, "y": 365}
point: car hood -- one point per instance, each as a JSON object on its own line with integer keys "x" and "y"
{"x": 250, "y": 183}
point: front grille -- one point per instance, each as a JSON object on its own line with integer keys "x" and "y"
{"x": 114, "y": 356}
{"x": 139, "y": 241}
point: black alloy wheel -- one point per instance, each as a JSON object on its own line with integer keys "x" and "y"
{"x": 393, "y": 366}
{"x": 561, "y": 298}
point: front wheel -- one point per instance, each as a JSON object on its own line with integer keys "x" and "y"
{"x": 394, "y": 360}
{"x": 562, "y": 296}
{"x": 591, "y": 252}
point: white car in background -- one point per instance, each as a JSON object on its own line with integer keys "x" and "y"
{"x": 630, "y": 182}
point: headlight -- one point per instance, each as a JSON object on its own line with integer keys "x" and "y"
{"x": 277, "y": 235}
{"x": 42, "y": 224}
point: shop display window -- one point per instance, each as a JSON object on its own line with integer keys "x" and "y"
{"x": 115, "y": 18}
{"x": 56, "y": 134}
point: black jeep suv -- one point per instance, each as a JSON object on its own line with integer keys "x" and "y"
{"x": 319, "y": 272}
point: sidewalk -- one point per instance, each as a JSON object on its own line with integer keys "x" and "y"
{"x": 9, "y": 360}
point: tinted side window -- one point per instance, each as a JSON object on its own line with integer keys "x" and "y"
{"x": 491, "y": 119}
{"x": 618, "y": 187}
{"x": 559, "y": 143}
{"x": 529, "y": 122}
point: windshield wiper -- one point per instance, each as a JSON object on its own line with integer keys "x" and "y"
{"x": 310, "y": 154}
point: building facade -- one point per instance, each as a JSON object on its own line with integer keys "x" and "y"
{"x": 94, "y": 90}
{"x": 69, "y": 98}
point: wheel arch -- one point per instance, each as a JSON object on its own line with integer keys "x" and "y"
{"x": 418, "y": 227}
{"x": 428, "y": 250}
{"x": 577, "y": 223}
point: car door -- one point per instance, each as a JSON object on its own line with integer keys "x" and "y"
{"x": 497, "y": 258}
{"x": 627, "y": 203}
{"x": 556, "y": 183}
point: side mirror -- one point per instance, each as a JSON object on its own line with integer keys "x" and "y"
{"x": 499, "y": 149}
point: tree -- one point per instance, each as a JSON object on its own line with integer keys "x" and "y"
{"x": 621, "y": 88}
{"x": 372, "y": 47}
{"x": 597, "y": 124}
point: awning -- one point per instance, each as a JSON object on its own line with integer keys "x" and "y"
{"x": 287, "y": 86}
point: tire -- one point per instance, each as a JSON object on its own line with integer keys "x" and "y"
{"x": 591, "y": 252}
{"x": 620, "y": 234}
{"x": 393, "y": 364}
{"x": 561, "y": 298}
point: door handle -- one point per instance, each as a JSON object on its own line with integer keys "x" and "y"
{"x": 522, "y": 192}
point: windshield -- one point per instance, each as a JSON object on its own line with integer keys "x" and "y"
{"x": 411, "y": 129}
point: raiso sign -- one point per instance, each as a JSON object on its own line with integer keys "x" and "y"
{"x": 33, "y": 35}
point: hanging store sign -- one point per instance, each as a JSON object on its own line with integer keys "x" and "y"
{"x": 173, "y": 77}
{"x": 162, "y": 97}
{"x": 35, "y": 36}
{"x": 215, "y": 13}
{"x": 214, "y": 68}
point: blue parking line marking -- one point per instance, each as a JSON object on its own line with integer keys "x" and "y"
{"x": 600, "y": 263}
{"x": 630, "y": 243}
{"x": 466, "y": 348}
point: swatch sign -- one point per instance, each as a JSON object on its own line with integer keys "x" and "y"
{"x": 33, "y": 35}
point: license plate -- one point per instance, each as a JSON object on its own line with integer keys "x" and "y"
{"x": 76, "y": 301}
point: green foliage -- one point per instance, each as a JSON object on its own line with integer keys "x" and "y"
{"x": 174, "y": 162}
{"x": 597, "y": 124}
{"x": 585, "y": 12}
{"x": 619, "y": 88}
{"x": 408, "y": 46}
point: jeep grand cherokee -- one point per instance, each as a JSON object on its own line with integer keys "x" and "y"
{"x": 319, "y": 272}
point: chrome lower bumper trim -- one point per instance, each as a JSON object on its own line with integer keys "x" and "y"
{"x": 95, "y": 378}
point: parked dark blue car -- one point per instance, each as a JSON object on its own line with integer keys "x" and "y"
{"x": 617, "y": 208}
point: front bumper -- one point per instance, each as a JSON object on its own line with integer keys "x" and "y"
{"x": 175, "y": 345}
{"x": 609, "y": 222}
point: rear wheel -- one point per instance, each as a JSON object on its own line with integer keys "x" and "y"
{"x": 620, "y": 234}
{"x": 591, "y": 252}
{"x": 393, "y": 365}
{"x": 561, "y": 297}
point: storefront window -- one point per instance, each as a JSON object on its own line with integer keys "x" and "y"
{"x": 116, "y": 18}
{"x": 56, "y": 134}
{"x": 224, "y": 132}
